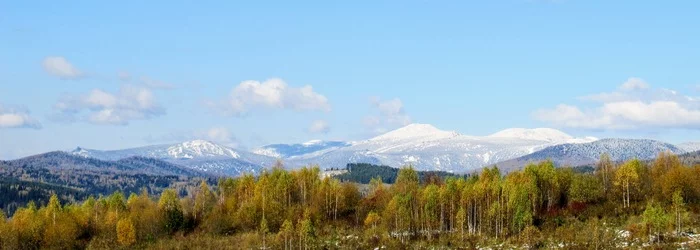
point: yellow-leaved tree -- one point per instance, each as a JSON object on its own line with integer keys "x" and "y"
{"x": 60, "y": 230}
{"x": 627, "y": 178}
{"x": 126, "y": 232}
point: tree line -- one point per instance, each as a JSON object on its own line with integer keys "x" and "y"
{"x": 364, "y": 173}
{"x": 538, "y": 206}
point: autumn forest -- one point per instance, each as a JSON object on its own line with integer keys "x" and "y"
{"x": 634, "y": 204}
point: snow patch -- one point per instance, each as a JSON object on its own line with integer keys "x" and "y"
{"x": 271, "y": 152}
{"x": 312, "y": 142}
{"x": 200, "y": 148}
{"x": 486, "y": 157}
{"x": 411, "y": 159}
{"x": 416, "y": 130}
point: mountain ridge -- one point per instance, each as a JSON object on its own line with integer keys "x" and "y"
{"x": 429, "y": 148}
{"x": 422, "y": 145}
{"x": 292, "y": 150}
{"x": 578, "y": 154}
{"x": 198, "y": 155}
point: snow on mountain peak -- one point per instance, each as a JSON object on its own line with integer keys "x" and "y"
{"x": 199, "y": 148}
{"x": 586, "y": 139}
{"x": 415, "y": 130}
{"x": 198, "y": 142}
{"x": 80, "y": 152}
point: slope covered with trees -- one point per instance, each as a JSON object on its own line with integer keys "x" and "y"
{"x": 364, "y": 173}
{"x": 628, "y": 205}
{"x": 15, "y": 193}
{"x": 74, "y": 178}
{"x": 585, "y": 154}
{"x": 691, "y": 158}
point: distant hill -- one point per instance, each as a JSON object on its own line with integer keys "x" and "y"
{"x": 363, "y": 173}
{"x": 58, "y": 160}
{"x": 159, "y": 167}
{"x": 199, "y": 155}
{"x": 690, "y": 159}
{"x": 581, "y": 154}
{"x": 75, "y": 177}
{"x": 15, "y": 193}
{"x": 423, "y": 146}
{"x": 689, "y": 146}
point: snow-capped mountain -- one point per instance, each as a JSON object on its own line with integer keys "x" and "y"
{"x": 185, "y": 150}
{"x": 541, "y": 134}
{"x": 292, "y": 150}
{"x": 197, "y": 154}
{"x": 689, "y": 146}
{"x": 421, "y": 145}
{"x": 425, "y": 132}
{"x": 429, "y": 148}
{"x": 577, "y": 154}
{"x": 199, "y": 149}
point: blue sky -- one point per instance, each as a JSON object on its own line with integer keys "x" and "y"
{"x": 130, "y": 73}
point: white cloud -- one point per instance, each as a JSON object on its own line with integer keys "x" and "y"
{"x": 219, "y": 135}
{"x": 101, "y": 107}
{"x": 371, "y": 121}
{"x": 17, "y": 118}
{"x": 390, "y": 114}
{"x": 319, "y": 126}
{"x": 634, "y": 83}
{"x": 390, "y": 107}
{"x": 272, "y": 94}
{"x": 60, "y": 67}
{"x": 634, "y": 89}
{"x": 634, "y": 106}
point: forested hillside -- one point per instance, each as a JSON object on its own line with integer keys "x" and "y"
{"x": 691, "y": 158}
{"x": 74, "y": 178}
{"x": 15, "y": 193}
{"x": 364, "y": 173}
{"x": 628, "y": 205}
